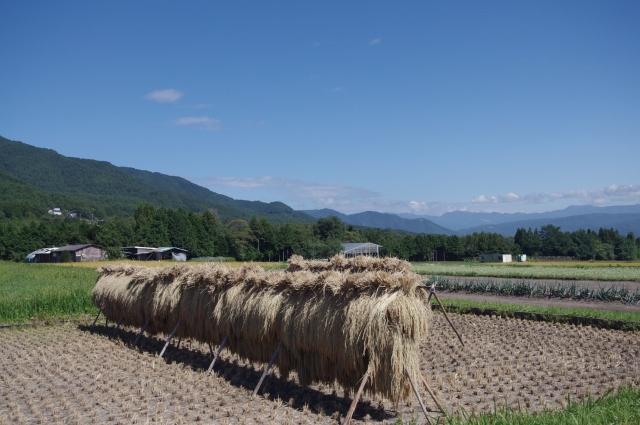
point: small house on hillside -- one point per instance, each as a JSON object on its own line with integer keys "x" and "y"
{"x": 361, "y": 248}
{"x": 495, "y": 258}
{"x": 84, "y": 252}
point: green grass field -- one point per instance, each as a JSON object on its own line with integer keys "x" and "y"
{"x": 42, "y": 291}
{"x": 618, "y": 408}
{"x": 574, "y": 271}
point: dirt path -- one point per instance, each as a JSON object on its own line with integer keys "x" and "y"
{"x": 540, "y": 301}
{"x": 594, "y": 284}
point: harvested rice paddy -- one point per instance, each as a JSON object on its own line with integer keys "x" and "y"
{"x": 67, "y": 374}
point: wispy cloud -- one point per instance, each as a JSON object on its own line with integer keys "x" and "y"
{"x": 206, "y": 123}
{"x": 168, "y": 95}
{"x": 611, "y": 194}
{"x": 307, "y": 195}
{"x": 347, "y": 199}
{"x": 336, "y": 89}
{"x": 375, "y": 41}
{"x": 304, "y": 194}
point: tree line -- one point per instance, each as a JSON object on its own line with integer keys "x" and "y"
{"x": 205, "y": 235}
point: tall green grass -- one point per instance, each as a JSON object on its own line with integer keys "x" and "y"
{"x": 41, "y": 291}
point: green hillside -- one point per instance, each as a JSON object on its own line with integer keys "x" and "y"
{"x": 36, "y": 179}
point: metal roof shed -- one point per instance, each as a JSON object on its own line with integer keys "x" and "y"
{"x": 361, "y": 248}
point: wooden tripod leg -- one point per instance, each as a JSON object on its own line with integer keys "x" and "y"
{"x": 433, "y": 396}
{"x": 117, "y": 326}
{"x": 141, "y": 332}
{"x": 224, "y": 341}
{"x": 96, "y": 319}
{"x": 354, "y": 403}
{"x": 448, "y": 320}
{"x": 168, "y": 341}
{"x": 415, "y": 390}
{"x": 264, "y": 374}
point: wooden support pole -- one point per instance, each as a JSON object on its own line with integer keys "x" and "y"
{"x": 168, "y": 341}
{"x": 415, "y": 390}
{"x": 264, "y": 374}
{"x": 433, "y": 396}
{"x": 141, "y": 332}
{"x": 117, "y": 326}
{"x": 447, "y": 316}
{"x": 224, "y": 341}
{"x": 354, "y": 403}
{"x": 96, "y": 319}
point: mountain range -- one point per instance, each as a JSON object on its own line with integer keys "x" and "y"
{"x": 459, "y": 220}
{"x": 37, "y": 179}
{"x": 625, "y": 219}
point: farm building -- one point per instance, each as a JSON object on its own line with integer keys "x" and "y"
{"x": 137, "y": 252}
{"x": 361, "y": 248}
{"x": 43, "y": 255}
{"x": 495, "y": 258}
{"x": 145, "y": 253}
{"x": 84, "y": 252}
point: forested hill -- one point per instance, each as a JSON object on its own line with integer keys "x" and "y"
{"x": 99, "y": 187}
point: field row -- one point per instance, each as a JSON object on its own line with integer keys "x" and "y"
{"x": 626, "y": 293}
{"x": 533, "y": 271}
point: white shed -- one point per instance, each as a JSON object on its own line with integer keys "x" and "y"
{"x": 495, "y": 258}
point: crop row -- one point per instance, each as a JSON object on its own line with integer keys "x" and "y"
{"x": 545, "y": 289}
{"x": 613, "y": 273}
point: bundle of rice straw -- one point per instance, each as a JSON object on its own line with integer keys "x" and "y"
{"x": 334, "y": 326}
{"x": 358, "y": 264}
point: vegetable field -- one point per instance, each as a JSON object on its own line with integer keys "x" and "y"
{"x": 523, "y": 287}
{"x": 582, "y": 271}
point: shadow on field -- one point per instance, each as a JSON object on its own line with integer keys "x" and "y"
{"x": 245, "y": 376}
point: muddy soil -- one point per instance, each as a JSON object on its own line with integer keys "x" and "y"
{"x": 67, "y": 374}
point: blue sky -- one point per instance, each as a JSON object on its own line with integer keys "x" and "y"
{"x": 419, "y": 107}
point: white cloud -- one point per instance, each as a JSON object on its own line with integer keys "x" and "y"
{"x": 484, "y": 200}
{"x": 206, "y": 123}
{"x": 306, "y": 195}
{"x": 375, "y": 41}
{"x": 611, "y": 194}
{"x": 305, "y": 192}
{"x": 168, "y": 95}
{"x": 348, "y": 199}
